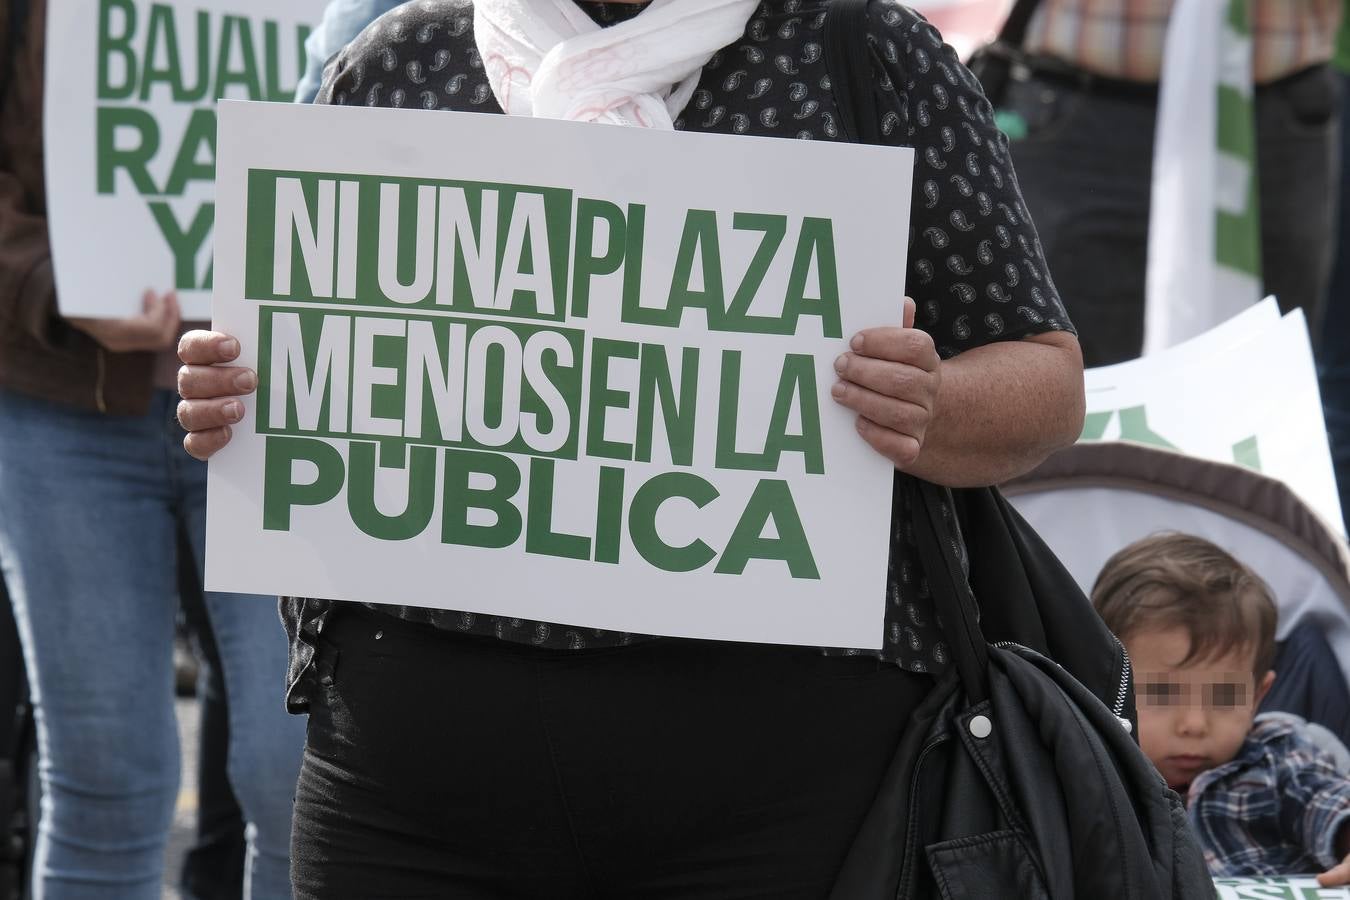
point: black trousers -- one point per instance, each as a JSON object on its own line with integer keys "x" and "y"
{"x": 440, "y": 765}
{"x": 1085, "y": 166}
{"x": 1334, "y": 359}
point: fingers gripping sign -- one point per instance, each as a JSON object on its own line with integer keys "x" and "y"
{"x": 210, "y": 390}
{"x": 890, "y": 378}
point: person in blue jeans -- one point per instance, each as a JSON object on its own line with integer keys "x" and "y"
{"x": 342, "y": 21}
{"x": 93, "y": 485}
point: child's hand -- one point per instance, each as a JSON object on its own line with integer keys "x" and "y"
{"x": 1337, "y": 875}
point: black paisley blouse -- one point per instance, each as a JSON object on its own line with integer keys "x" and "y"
{"x": 976, "y": 268}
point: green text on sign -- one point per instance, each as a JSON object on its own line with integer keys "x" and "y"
{"x": 526, "y": 252}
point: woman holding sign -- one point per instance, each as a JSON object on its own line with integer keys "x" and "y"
{"x": 475, "y": 756}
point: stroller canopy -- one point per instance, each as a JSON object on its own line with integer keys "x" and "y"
{"x": 1091, "y": 499}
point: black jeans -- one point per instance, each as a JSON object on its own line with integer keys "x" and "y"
{"x": 1085, "y": 167}
{"x": 440, "y": 765}
{"x": 1334, "y": 358}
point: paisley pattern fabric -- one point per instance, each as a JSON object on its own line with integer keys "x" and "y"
{"x": 976, "y": 269}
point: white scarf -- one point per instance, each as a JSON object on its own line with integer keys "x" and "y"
{"x": 548, "y": 58}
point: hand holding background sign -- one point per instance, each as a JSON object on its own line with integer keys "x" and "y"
{"x": 131, "y": 90}
{"x": 154, "y": 329}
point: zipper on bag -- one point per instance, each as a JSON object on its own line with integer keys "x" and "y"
{"x": 1122, "y": 691}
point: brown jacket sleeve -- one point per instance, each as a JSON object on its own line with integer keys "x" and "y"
{"x": 27, "y": 284}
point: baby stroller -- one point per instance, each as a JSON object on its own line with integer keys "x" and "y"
{"x": 1091, "y": 499}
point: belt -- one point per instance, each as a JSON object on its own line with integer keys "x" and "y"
{"x": 1056, "y": 71}
{"x": 1047, "y": 68}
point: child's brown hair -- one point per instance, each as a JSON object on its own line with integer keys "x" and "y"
{"x": 1174, "y": 580}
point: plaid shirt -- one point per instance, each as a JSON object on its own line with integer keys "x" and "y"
{"x": 1124, "y": 38}
{"x": 1275, "y": 808}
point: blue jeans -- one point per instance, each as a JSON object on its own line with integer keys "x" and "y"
{"x": 88, "y": 508}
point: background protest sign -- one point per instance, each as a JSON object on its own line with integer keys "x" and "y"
{"x": 1204, "y": 230}
{"x": 130, "y": 136}
{"x": 555, "y": 371}
{"x": 1244, "y": 392}
{"x": 1292, "y": 888}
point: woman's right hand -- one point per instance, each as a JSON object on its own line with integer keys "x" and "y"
{"x": 210, "y": 390}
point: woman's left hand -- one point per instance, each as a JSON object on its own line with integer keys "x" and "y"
{"x": 890, "y": 378}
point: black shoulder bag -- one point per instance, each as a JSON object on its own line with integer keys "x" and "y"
{"x": 1012, "y": 780}
{"x": 1018, "y": 777}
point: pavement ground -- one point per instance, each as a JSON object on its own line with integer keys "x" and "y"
{"x": 185, "y": 819}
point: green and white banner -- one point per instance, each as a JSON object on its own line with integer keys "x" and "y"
{"x": 552, "y": 370}
{"x": 1288, "y": 888}
{"x": 1204, "y": 242}
{"x": 130, "y": 136}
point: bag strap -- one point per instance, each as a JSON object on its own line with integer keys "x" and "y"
{"x": 848, "y": 52}
{"x": 848, "y": 59}
{"x": 958, "y": 613}
{"x": 1014, "y": 30}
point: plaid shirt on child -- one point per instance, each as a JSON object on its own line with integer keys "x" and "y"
{"x": 1124, "y": 38}
{"x": 1275, "y": 808}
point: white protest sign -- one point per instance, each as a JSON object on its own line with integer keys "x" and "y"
{"x": 1247, "y": 325}
{"x": 557, "y": 371}
{"x": 1286, "y": 888}
{"x": 130, "y": 136}
{"x": 1247, "y": 394}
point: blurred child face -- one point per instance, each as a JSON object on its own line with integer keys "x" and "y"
{"x": 1195, "y": 717}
